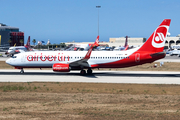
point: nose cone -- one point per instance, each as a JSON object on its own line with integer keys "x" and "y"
{"x": 9, "y": 51}
{"x": 8, "y": 61}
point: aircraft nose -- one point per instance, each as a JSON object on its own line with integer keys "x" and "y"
{"x": 8, "y": 61}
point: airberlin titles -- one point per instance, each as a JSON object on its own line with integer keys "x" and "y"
{"x": 41, "y": 57}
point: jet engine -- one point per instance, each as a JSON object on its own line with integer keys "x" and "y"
{"x": 59, "y": 67}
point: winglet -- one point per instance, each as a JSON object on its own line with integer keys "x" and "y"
{"x": 96, "y": 43}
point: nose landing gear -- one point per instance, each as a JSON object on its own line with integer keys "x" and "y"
{"x": 22, "y": 71}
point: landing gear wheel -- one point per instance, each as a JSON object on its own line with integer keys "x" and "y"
{"x": 83, "y": 72}
{"x": 89, "y": 71}
{"x": 22, "y": 71}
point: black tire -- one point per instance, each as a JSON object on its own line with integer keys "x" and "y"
{"x": 89, "y": 71}
{"x": 83, "y": 72}
{"x": 22, "y": 71}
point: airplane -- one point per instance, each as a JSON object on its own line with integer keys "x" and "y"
{"x": 65, "y": 61}
{"x": 125, "y": 47}
{"x": 85, "y": 47}
{"x": 17, "y": 49}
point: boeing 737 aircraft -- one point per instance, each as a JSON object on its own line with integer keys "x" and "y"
{"x": 17, "y": 49}
{"x": 65, "y": 61}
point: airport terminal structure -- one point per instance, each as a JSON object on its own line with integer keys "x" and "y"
{"x": 170, "y": 41}
{"x": 9, "y": 36}
{"x": 119, "y": 42}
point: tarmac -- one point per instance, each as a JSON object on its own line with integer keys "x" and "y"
{"x": 131, "y": 77}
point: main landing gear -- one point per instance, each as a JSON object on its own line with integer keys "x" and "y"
{"x": 83, "y": 72}
{"x": 89, "y": 71}
{"x": 22, "y": 71}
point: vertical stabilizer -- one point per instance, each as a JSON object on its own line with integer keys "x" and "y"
{"x": 28, "y": 42}
{"x": 156, "y": 41}
{"x": 126, "y": 42}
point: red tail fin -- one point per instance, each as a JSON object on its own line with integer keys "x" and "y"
{"x": 156, "y": 41}
{"x": 28, "y": 42}
{"x": 126, "y": 41}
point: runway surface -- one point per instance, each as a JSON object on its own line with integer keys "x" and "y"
{"x": 3, "y": 58}
{"x": 138, "y": 77}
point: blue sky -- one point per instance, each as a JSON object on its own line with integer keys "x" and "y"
{"x": 68, "y": 20}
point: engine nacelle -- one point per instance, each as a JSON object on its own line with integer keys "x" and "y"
{"x": 60, "y": 67}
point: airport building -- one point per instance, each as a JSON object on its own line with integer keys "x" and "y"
{"x": 10, "y": 36}
{"x": 118, "y": 42}
{"x": 170, "y": 41}
{"x": 136, "y": 42}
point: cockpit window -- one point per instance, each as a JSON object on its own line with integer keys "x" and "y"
{"x": 14, "y": 56}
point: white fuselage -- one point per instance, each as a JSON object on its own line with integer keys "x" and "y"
{"x": 48, "y": 58}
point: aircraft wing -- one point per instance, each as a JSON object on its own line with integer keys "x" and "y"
{"x": 83, "y": 61}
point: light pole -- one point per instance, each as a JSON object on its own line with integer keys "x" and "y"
{"x": 98, "y": 17}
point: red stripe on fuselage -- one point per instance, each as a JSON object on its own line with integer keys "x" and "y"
{"x": 131, "y": 61}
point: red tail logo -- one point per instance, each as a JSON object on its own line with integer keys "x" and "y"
{"x": 159, "y": 36}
